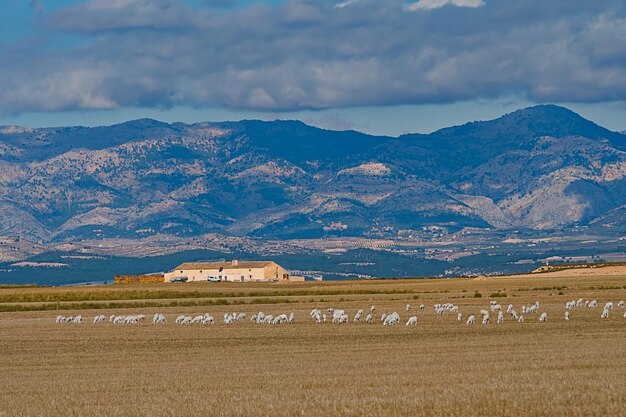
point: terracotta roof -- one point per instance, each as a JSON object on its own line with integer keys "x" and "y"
{"x": 225, "y": 265}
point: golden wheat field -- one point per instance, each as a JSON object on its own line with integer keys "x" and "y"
{"x": 438, "y": 368}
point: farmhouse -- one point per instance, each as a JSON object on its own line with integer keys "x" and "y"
{"x": 233, "y": 271}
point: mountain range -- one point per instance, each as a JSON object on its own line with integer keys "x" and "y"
{"x": 541, "y": 168}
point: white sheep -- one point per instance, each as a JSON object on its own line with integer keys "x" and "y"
{"x": 486, "y": 319}
{"x": 605, "y": 313}
{"x": 372, "y": 308}
{"x": 520, "y": 319}
{"x": 368, "y": 318}
{"x": 412, "y": 321}
{"x": 500, "y": 317}
{"x": 592, "y": 304}
{"x": 292, "y": 318}
{"x": 407, "y": 307}
{"x": 566, "y": 315}
{"x": 544, "y": 317}
{"x": 357, "y": 316}
{"x": 470, "y": 320}
{"x": 621, "y": 304}
{"x": 422, "y": 306}
{"x": 392, "y": 319}
{"x": 459, "y": 317}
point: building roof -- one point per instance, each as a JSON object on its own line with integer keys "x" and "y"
{"x": 224, "y": 265}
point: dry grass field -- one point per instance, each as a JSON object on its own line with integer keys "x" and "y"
{"x": 438, "y": 368}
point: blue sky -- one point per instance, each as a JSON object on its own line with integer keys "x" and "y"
{"x": 379, "y": 66}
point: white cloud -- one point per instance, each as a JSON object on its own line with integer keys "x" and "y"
{"x": 435, "y": 4}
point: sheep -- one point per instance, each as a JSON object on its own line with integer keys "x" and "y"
{"x": 513, "y": 314}
{"x": 292, "y": 318}
{"x": 608, "y": 305}
{"x": 179, "y": 319}
{"x": 543, "y": 318}
{"x": 260, "y": 317}
{"x": 268, "y": 319}
{"x": 407, "y": 307}
{"x": 422, "y": 306}
{"x": 372, "y": 308}
{"x": 197, "y": 319}
{"x": 383, "y": 317}
{"x": 500, "y": 317}
{"x": 621, "y": 304}
{"x": 412, "y": 321}
{"x": 324, "y": 318}
{"x": 60, "y": 319}
{"x": 509, "y": 308}
{"x": 368, "y": 318}
{"x": 357, "y": 316}
{"x": 459, "y": 317}
{"x": 392, "y": 319}
{"x": 208, "y": 319}
{"x": 580, "y": 302}
{"x": 605, "y": 313}
{"x": 520, "y": 319}
{"x": 496, "y": 307}
{"x": 486, "y": 319}
{"x": 566, "y": 315}
{"x": 484, "y": 313}
{"x": 592, "y": 304}
{"x": 99, "y": 319}
{"x": 470, "y": 320}
{"x": 78, "y": 319}
{"x": 625, "y": 314}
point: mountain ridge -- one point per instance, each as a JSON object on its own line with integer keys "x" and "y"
{"x": 541, "y": 167}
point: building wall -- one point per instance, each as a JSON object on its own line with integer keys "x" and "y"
{"x": 230, "y": 275}
{"x": 270, "y": 272}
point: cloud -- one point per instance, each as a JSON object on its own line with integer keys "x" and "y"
{"x": 308, "y": 54}
{"x": 435, "y": 4}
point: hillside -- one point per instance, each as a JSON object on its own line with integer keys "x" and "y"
{"x": 539, "y": 168}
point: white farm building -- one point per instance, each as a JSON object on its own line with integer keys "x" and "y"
{"x": 233, "y": 271}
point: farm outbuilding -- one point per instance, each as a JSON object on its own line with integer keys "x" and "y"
{"x": 231, "y": 271}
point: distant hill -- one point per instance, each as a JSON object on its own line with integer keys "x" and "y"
{"x": 543, "y": 167}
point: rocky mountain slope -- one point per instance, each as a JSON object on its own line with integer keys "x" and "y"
{"x": 543, "y": 167}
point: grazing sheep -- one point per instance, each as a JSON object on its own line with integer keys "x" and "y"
{"x": 357, "y": 316}
{"x": 179, "y": 319}
{"x": 605, "y": 313}
{"x": 372, "y": 308}
{"x": 592, "y": 304}
{"x": 324, "y": 318}
{"x": 383, "y": 317}
{"x": 514, "y": 314}
{"x": 486, "y": 319}
{"x": 509, "y": 308}
{"x": 470, "y": 320}
{"x": 368, "y": 319}
{"x": 566, "y": 315}
{"x": 500, "y": 317}
{"x": 412, "y": 321}
{"x": 60, "y": 319}
{"x": 407, "y": 307}
{"x": 459, "y": 317}
{"x": 422, "y": 306}
{"x": 544, "y": 317}
{"x": 625, "y": 314}
{"x": 208, "y": 319}
{"x": 520, "y": 319}
{"x": 608, "y": 305}
{"x": 392, "y": 319}
{"x": 621, "y": 304}
{"x": 292, "y": 318}
{"x": 99, "y": 319}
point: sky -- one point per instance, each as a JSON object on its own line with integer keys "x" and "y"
{"x": 378, "y": 66}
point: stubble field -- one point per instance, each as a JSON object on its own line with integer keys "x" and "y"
{"x": 438, "y": 368}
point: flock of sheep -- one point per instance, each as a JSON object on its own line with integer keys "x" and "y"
{"x": 333, "y": 315}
